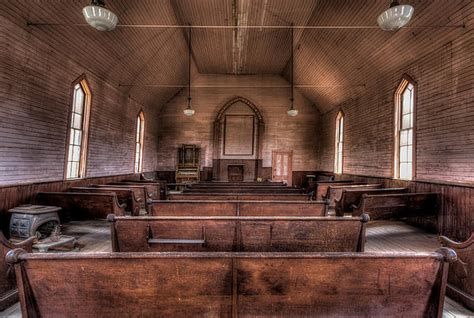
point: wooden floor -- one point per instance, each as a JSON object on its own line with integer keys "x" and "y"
{"x": 382, "y": 236}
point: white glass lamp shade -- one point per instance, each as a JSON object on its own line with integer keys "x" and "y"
{"x": 100, "y": 18}
{"x": 292, "y": 112}
{"x": 188, "y": 112}
{"x": 395, "y": 17}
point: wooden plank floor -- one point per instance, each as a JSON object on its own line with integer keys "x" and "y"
{"x": 382, "y": 236}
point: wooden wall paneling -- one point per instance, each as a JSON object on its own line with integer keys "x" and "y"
{"x": 12, "y": 196}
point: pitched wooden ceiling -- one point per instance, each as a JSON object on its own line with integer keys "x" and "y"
{"x": 334, "y": 61}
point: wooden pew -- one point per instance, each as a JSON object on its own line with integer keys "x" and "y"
{"x": 351, "y": 198}
{"x": 237, "y": 234}
{"x": 77, "y": 205}
{"x": 321, "y": 187}
{"x": 238, "y": 184}
{"x": 237, "y": 208}
{"x": 334, "y": 192}
{"x": 140, "y": 191}
{"x": 153, "y": 189}
{"x": 124, "y": 196}
{"x": 213, "y": 284}
{"x": 461, "y": 273}
{"x": 162, "y": 183}
{"x": 8, "y": 290}
{"x": 239, "y": 196}
{"x": 269, "y": 190}
{"x": 399, "y": 205}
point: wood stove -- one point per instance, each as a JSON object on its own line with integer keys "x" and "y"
{"x": 33, "y": 220}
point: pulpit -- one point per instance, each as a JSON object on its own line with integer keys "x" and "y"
{"x": 188, "y": 166}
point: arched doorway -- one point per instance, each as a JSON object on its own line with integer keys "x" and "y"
{"x": 237, "y": 144}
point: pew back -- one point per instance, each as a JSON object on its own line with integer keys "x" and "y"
{"x": 399, "y": 205}
{"x": 351, "y": 198}
{"x": 239, "y": 196}
{"x": 231, "y": 284}
{"x": 321, "y": 187}
{"x": 270, "y": 190}
{"x": 227, "y": 234}
{"x": 140, "y": 191}
{"x": 124, "y": 196}
{"x": 237, "y": 208}
{"x": 153, "y": 189}
{"x": 334, "y": 192}
{"x": 77, "y": 205}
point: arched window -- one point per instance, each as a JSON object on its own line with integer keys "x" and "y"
{"x": 339, "y": 143}
{"x": 140, "y": 130}
{"x": 76, "y": 155}
{"x": 404, "y": 161}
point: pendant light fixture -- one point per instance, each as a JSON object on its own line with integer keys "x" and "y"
{"x": 188, "y": 111}
{"x": 292, "y": 111}
{"x": 395, "y": 17}
{"x": 99, "y": 17}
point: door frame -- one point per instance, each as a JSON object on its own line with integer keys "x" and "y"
{"x": 290, "y": 164}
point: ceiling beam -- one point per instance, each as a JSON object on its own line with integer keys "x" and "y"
{"x": 240, "y": 86}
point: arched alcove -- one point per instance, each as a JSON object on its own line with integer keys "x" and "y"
{"x": 237, "y": 143}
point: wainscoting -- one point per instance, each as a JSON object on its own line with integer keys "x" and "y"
{"x": 456, "y": 206}
{"x": 12, "y": 196}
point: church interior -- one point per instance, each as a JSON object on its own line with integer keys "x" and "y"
{"x": 236, "y": 158}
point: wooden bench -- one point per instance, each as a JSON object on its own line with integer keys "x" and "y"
{"x": 238, "y": 184}
{"x": 461, "y": 273}
{"x": 153, "y": 189}
{"x": 140, "y": 191}
{"x": 239, "y": 196}
{"x": 321, "y": 187}
{"x": 351, "y": 198}
{"x": 237, "y": 234}
{"x": 399, "y": 205}
{"x": 77, "y": 205}
{"x": 334, "y": 192}
{"x": 124, "y": 196}
{"x": 258, "y": 190}
{"x": 162, "y": 184}
{"x": 237, "y": 208}
{"x": 8, "y": 290}
{"x": 215, "y": 284}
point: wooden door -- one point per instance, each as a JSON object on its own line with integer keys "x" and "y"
{"x": 282, "y": 166}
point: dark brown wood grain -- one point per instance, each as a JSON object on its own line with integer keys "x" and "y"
{"x": 140, "y": 191}
{"x": 79, "y": 205}
{"x": 334, "y": 192}
{"x": 8, "y": 289}
{"x": 461, "y": 273}
{"x": 399, "y": 205}
{"x": 320, "y": 188}
{"x": 350, "y": 198}
{"x": 237, "y": 208}
{"x": 124, "y": 196}
{"x": 239, "y": 196}
{"x": 156, "y": 190}
{"x": 232, "y": 284}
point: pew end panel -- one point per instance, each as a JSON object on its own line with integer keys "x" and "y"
{"x": 8, "y": 288}
{"x": 232, "y": 284}
{"x": 461, "y": 273}
{"x": 232, "y": 234}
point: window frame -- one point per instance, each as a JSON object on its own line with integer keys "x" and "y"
{"x": 339, "y": 139}
{"x": 140, "y": 117}
{"x": 84, "y": 83}
{"x": 398, "y": 113}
